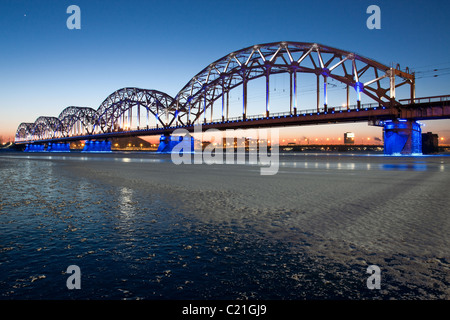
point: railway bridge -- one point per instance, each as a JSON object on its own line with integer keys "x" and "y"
{"x": 371, "y": 93}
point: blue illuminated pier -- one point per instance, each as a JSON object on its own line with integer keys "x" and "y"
{"x": 167, "y": 144}
{"x": 97, "y": 146}
{"x": 35, "y": 147}
{"x": 402, "y": 137}
{"x": 59, "y": 147}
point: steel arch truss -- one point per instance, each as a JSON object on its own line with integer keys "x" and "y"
{"x": 46, "y": 128}
{"x": 77, "y": 120}
{"x": 112, "y": 112}
{"x": 24, "y": 131}
{"x": 364, "y": 75}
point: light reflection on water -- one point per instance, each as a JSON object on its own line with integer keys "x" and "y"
{"x": 327, "y": 161}
{"x": 126, "y": 202}
{"x": 361, "y": 166}
{"x": 405, "y": 167}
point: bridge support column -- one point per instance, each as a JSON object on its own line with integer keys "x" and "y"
{"x": 244, "y": 99}
{"x": 97, "y": 146}
{"x": 32, "y": 147}
{"x": 402, "y": 137}
{"x": 168, "y": 142}
{"x": 59, "y": 147}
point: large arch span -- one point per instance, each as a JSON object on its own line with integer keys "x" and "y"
{"x": 368, "y": 77}
{"x": 209, "y": 90}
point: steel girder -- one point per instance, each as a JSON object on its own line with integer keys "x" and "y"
{"x": 237, "y": 68}
{"x": 116, "y": 104}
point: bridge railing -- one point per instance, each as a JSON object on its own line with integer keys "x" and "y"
{"x": 365, "y": 106}
{"x": 426, "y": 99}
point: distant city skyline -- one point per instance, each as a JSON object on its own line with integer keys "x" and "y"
{"x": 46, "y": 67}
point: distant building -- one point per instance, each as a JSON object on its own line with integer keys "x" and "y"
{"x": 430, "y": 143}
{"x": 349, "y": 138}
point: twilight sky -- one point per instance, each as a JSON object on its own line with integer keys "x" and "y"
{"x": 45, "y": 67}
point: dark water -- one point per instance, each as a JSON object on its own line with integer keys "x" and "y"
{"x": 134, "y": 244}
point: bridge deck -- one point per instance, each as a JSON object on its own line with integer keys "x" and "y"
{"x": 424, "y": 110}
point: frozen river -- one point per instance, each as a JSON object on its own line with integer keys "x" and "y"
{"x": 140, "y": 227}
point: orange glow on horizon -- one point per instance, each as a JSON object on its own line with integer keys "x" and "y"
{"x": 308, "y": 134}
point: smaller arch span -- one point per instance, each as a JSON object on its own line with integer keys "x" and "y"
{"x": 77, "y": 120}
{"x": 24, "y": 131}
{"x": 46, "y": 127}
{"x": 116, "y": 111}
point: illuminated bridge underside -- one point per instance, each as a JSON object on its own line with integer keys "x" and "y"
{"x": 137, "y": 112}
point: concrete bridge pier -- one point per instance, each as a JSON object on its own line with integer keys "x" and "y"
{"x": 168, "y": 142}
{"x": 58, "y": 147}
{"x": 97, "y": 146}
{"x": 34, "y": 147}
{"x": 402, "y": 137}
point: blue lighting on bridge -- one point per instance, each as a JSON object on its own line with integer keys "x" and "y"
{"x": 402, "y": 137}
{"x": 32, "y": 147}
{"x": 184, "y": 144}
{"x": 51, "y": 147}
{"x": 326, "y": 72}
{"x": 97, "y": 146}
{"x": 58, "y": 147}
{"x": 359, "y": 87}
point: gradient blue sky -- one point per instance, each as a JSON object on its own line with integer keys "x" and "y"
{"x": 45, "y": 67}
